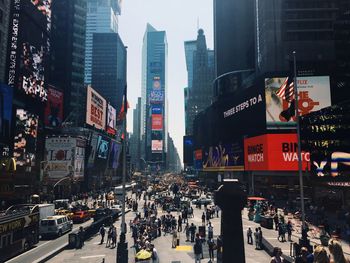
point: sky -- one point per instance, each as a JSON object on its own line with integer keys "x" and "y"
{"x": 180, "y": 19}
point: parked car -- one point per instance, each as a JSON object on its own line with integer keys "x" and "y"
{"x": 202, "y": 201}
{"x": 81, "y": 216}
{"x": 55, "y": 225}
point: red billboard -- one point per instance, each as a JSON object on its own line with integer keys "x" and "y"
{"x": 54, "y": 108}
{"x": 273, "y": 152}
{"x": 157, "y": 122}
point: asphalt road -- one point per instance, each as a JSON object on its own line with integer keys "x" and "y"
{"x": 45, "y": 246}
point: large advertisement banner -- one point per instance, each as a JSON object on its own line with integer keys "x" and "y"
{"x": 102, "y": 147}
{"x": 156, "y": 96}
{"x": 26, "y": 132}
{"x": 313, "y": 95}
{"x": 157, "y": 109}
{"x": 157, "y": 122}
{"x": 6, "y": 96}
{"x": 30, "y": 25}
{"x": 273, "y": 152}
{"x": 157, "y": 146}
{"x": 64, "y": 157}
{"x": 111, "y": 120}
{"x": 54, "y": 108}
{"x": 114, "y": 155}
{"x": 156, "y": 84}
{"x": 93, "y": 150}
{"x": 95, "y": 109}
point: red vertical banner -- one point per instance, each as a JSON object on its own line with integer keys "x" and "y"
{"x": 54, "y": 108}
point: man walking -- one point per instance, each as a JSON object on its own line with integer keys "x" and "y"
{"x": 102, "y": 233}
{"x": 250, "y": 236}
{"x": 210, "y": 231}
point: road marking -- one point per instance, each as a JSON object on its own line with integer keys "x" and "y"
{"x": 183, "y": 248}
{"x": 94, "y": 256}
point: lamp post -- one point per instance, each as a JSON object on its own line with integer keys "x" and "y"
{"x": 301, "y": 183}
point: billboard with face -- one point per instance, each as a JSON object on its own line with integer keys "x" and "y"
{"x": 30, "y": 26}
{"x": 114, "y": 155}
{"x": 54, "y": 108}
{"x": 24, "y": 150}
{"x": 157, "y": 146}
{"x": 102, "y": 148}
{"x": 156, "y": 85}
{"x": 313, "y": 95}
{"x": 95, "y": 109}
{"x": 111, "y": 120}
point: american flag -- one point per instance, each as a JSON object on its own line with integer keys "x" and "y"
{"x": 286, "y": 91}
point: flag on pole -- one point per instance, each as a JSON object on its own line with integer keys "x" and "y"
{"x": 124, "y": 107}
{"x": 286, "y": 91}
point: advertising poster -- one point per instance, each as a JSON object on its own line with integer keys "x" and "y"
{"x": 188, "y": 149}
{"x": 95, "y": 109}
{"x": 157, "y": 146}
{"x": 198, "y": 156}
{"x": 114, "y": 155}
{"x": 157, "y": 122}
{"x": 79, "y": 159}
{"x": 30, "y": 26}
{"x": 273, "y": 152}
{"x": 6, "y": 96}
{"x": 111, "y": 120}
{"x": 223, "y": 157}
{"x": 54, "y": 108}
{"x": 156, "y": 96}
{"x": 325, "y": 134}
{"x": 26, "y": 132}
{"x": 156, "y": 84}
{"x": 313, "y": 95}
{"x": 102, "y": 148}
{"x": 93, "y": 149}
{"x": 157, "y": 109}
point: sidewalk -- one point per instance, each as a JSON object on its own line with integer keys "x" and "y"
{"x": 270, "y": 239}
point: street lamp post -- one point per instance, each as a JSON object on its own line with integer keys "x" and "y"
{"x": 301, "y": 183}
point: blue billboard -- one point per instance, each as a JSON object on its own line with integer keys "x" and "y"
{"x": 157, "y": 109}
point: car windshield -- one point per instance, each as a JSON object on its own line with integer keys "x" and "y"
{"x": 48, "y": 222}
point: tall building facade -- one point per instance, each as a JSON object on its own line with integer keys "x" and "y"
{"x": 200, "y": 69}
{"x": 154, "y": 120}
{"x": 68, "y": 56}
{"x": 109, "y": 67}
{"x": 4, "y": 29}
{"x": 102, "y": 17}
{"x": 135, "y": 138}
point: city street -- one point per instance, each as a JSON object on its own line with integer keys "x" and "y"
{"x": 93, "y": 252}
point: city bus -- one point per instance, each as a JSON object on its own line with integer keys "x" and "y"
{"x": 19, "y": 230}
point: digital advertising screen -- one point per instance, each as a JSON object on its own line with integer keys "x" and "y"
{"x": 111, "y": 120}
{"x": 116, "y": 149}
{"x": 25, "y": 138}
{"x": 6, "y": 96}
{"x": 54, "y": 108}
{"x": 313, "y": 95}
{"x": 30, "y": 27}
{"x": 156, "y": 85}
{"x": 95, "y": 109}
{"x": 157, "y": 122}
{"x": 157, "y": 146}
{"x": 156, "y": 96}
{"x": 157, "y": 109}
{"x": 102, "y": 148}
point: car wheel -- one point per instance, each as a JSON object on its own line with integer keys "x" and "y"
{"x": 26, "y": 246}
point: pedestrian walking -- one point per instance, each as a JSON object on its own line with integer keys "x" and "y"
{"x": 277, "y": 255}
{"x": 256, "y": 238}
{"x": 203, "y": 219}
{"x": 102, "y": 233}
{"x": 174, "y": 239}
{"x": 289, "y": 230}
{"x": 187, "y": 231}
{"x": 179, "y": 224}
{"x": 114, "y": 237}
{"x": 250, "y": 236}
{"x": 192, "y": 231}
{"x": 260, "y": 237}
{"x": 275, "y": 220}
{"x": 217, "y": 209}
{"x": 210, "y": 231}
{"x": 109, "y": 236}
{"x": 211, "y": 248}
{"x": 197, "y": 249}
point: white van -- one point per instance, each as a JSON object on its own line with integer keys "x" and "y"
{"x": 55, "y": 225}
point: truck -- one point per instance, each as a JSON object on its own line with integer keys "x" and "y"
{"x": 46, "y": 210}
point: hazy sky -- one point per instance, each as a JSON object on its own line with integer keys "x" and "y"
{"x": 179, "y": 18}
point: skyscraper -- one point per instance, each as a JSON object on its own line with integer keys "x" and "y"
{"x": 68, "y": 56}
{"x": 135, "y": 139}
{"x": 200, "y": 68}
{"x": 109, "y": 67}
{"x": 4, "y": 26}
{"x": 102, "y": 17}
{"x": 154, "y": 96}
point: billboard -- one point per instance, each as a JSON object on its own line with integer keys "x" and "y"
{"x": 273, "y": 152}
{"x": 6, "y": 96}
{"x": 64, "y": 156}
{"x": 95, "y": 109}
{"x": 157, "y": 146}
{"x": 156, "y": 96}
{"x": 157, "y": 122}
{"x": 223, "y": 157}
{"x": 313, "y": 95}
{"x": 54, "y": 108}
{"x": 111, "y": 120}
{"x": 102, "y": 147}
{"x": 116, "y": 149}
{"x": 188, "y": 150}
{"x": 30, "y": 26}
{"x": 93, "y": 150}
{"x": 155, "y": 67}
{"x": 25, "y": 138}
{"x": 156, "y": 109}
{"x": 156, "y": 85}
{"x": 325, "y": 134}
